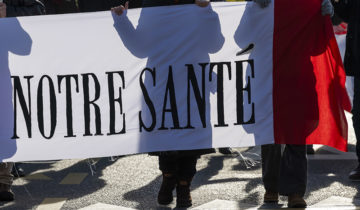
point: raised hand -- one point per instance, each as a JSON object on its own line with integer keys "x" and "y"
{"x": 119, "y": 10}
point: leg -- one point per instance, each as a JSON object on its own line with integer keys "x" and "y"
{"x": 187, "y": 170}
{"x": 168, "y": 167}
{"x": 293, "y": 170}
{"x": 293, "y": 175}
{"x": 168, "y": 164}
{"x": 6, "y": 179}
{"x": 187, "y": 167}
{"x": 271, "y": 156}
{"x": 5, "y": 173}
{"x": 355, "y": 174}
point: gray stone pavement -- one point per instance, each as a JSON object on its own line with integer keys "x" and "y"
{"x": 222, "y": 182}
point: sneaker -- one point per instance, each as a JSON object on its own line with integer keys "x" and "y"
{"x": 271, "y": 197}
{"x": 355, "y": 174}
{"x": 183, "y": 197}
{"x": 296, "y": 201}
{"x": 165, "y": 195}
{"x": 5, "y": 193}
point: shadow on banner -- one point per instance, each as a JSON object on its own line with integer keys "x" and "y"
{"x": 13, "y": 39}
{"x": 176, "y": 109}
{"x": 254, "y": 39}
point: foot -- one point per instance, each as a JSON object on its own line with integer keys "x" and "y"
{"x": 183, "y": 197}
{"x": 168, "y": 184}
{"x": 296, "y": 201}
{"x": 271, "y": 197}
{"x": 355, "y": 174}
{"x": 5, "y": 193}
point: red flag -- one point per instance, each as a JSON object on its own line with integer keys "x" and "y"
{"x": 308, "y": 78}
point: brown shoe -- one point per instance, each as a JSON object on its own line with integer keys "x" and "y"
{"x": 5, "y": 193}
{"x": 168, "y": 184}
{"x": 183, "y": 197}
{"x": 296, "y": 201}
{"x": 271, "y": 197}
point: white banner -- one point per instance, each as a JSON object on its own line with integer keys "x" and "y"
{"x": 163, "y": 78}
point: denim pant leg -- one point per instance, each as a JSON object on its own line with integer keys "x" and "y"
{"x": 356, "y": 114}
{"x": 293, "y": 170}
{"x": 271, "y": 158}
{"x": 5, "y": 173}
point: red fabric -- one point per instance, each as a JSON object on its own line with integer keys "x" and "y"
{"x": 309, "y": 93}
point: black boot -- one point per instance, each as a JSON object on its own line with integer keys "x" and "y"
{"x": 5, "y": 193}
{"x": 168, "y": 184}
{"x": 183, "y": 197}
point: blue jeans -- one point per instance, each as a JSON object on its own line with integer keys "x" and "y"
{"x": 284, "y": 171}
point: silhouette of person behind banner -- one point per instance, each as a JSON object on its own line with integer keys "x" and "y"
{"x": 284, "y": 170}
{"x": 13, "y": 39}
{"x": 177, "y": 42}
{"x": 161, "y": 45}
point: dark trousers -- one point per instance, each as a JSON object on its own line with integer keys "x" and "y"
{"x": 156, "y": 3}
{"x": 356, "y": 114}
{"x": 284, "y": 172}
{"x": 184, "y": 167}
{"x": 60, "y": 8}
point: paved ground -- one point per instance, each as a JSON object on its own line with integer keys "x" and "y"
{"x": 222, "y": 182}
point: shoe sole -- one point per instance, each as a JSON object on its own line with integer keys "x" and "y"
{"x": 164, "y": 203}
{"x": 185, "y": 206}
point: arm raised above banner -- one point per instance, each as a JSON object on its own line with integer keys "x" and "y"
{"x": 130, "y": 36}
{"x": 119, "y": 10}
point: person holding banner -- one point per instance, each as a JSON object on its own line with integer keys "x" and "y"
{"x": 12, "y": 8}
{"x": 6, "y": 177}
{"x": 178, "y": 167}
{"x": 284, "y": 167}
{"x": 349, "y": 11}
